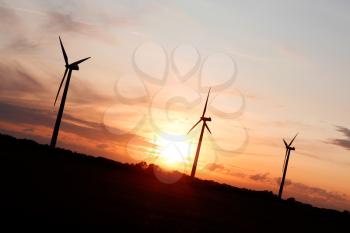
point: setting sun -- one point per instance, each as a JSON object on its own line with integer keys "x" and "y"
{"x": 173, "y": 154}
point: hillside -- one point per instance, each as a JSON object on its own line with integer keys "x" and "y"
{"x": 41, "y": 186}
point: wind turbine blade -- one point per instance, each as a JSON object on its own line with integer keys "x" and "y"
{"x": 194, "y": 126}
{"x": 59, "y": 89}
{"x": 206, "y": 103}
{"x": 293, "y": 139}
{"x": 80, "y": 61}
{"x": 206, "y": 126}
{"x": 285, "y": 143}
{"x": 64, "y": 52}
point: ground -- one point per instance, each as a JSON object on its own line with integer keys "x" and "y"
{"x": 41, "y": 186}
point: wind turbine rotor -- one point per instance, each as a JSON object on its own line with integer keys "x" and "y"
{"x": 59, "y": 89}
{"x": 293, "y": 139}
{"x": 64, "y": 53}
{"x": 206, "y": 103}
{"x": 80, "y": 61}
{"x": 206, "y": 126}
{"x": 75, "y": 65}
{"x": 194, "y": 126}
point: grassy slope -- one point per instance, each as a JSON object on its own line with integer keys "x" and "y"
{"x": 39, "y": 185}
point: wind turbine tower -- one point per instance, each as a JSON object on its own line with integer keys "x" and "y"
{"x": 69, "y": 69}
{"x": 289, "y": 148}
{"x": 204, "y": 120}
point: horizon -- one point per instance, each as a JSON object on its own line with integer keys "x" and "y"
{"x": 275, "y": 69}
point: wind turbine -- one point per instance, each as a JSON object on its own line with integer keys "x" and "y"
{"x": 204, "y": 125}
{"x": 289, "y": 148}
{"x": 69, "y": 69}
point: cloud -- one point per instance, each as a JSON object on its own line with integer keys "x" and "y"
{"x": 16, "y": 78}
{"x": 115, "y": 21}
{"x": 286, "y": 181}
{"x": 38, "y": 117}
{"x": 22, "y": 43}
{"x": 18, "y": 81}
{"x": 317, "y": 193}
{"x": 217, "y": 167}
{"x": 260, "y": 177}
{"x": 289, "y": 123}
{"x": 64, "y": 22}
{"x": 30, "y": 130}
{"x": 102, "y": 145}
{"x": 16, "y": 22}
{"x": 344, "y": 143}
{"x": 344, "y": 130}
{"x": 302, "y": 191}
{"x": 293, "y": 54}
{"x": 77, "y": 134}
{"x": 8, "y": 17}
{"x": 84, "y": 92}
{"x": 11, "y": 23}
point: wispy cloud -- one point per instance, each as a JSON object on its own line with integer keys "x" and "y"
{"x": 293, "y": 54}
{"x": 22, "y": 43}
{"x": 83, "y": 135}
{"x": 312, "y": 194}
{"x": 260, "y": 177}
{"x": 16, "y": 78}
{"x": 315, "y": 192}
{"x": 286, "y": 181}
{"x": 65, "y": 22}
{"x": 38, "y": 117}
{"x": 342, "y": 142}
{"x": 12, "y": 23}
{"x": 83, "y": 92}
{"x": 13, "y": 20}
{"x": 315, "y": 195}
{"x": 220, "y": 168}
{"x": 304, "y": 192}
{"x": 215, "y": 167}
{"x": 60, "y": 23}
{"x": 8, "y": 17}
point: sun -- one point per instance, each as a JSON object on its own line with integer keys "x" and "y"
{"x": 173, "y": 154}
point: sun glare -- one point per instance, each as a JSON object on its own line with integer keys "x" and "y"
{"x": 173, "y": 154}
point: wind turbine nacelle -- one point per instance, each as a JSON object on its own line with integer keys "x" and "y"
{"x": 206, "y": 118}
{"x": 73, "y": 67}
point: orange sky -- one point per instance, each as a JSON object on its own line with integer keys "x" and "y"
{"x": 274, "y": 71}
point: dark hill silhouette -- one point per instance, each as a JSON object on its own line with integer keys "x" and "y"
{"x": 40, "y": 186}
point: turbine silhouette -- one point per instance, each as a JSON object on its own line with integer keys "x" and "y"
{"x": 289, "y": 148}
{"x": 204, "y": 120}
{"x": 69, "y": 69}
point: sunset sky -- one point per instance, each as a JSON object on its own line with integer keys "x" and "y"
{"x": 276, "y": 68}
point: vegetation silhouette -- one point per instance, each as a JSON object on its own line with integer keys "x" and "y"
{"x": 41, "y": 185}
